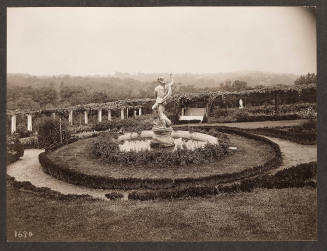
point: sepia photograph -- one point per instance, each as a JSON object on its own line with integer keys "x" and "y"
{"x": 161, "y": 124}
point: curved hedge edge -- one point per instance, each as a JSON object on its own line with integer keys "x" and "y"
{"x": 62, "y": 172}
{"x": 44, "y": 191}
{"x": 300, "y": 138}
{"x": 297, "y": 176}
{"x": 226, "y": 178}
{"x": 114, "y": 195}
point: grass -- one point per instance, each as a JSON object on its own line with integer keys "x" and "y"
{"x": 274, "y": 214}
{"x": 249, "y": 153}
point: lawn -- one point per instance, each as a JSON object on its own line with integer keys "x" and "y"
{"x": 250, "y": 153}
{"x": 264, "y": 214}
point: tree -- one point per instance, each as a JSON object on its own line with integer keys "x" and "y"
{"x": 310, "y": 78}
{"x": 239, "y": 85}
{"x": 52, "y": 132}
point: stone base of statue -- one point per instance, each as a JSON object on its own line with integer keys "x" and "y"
{"x": 162, "y": 137}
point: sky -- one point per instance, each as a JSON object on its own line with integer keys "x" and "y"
{"x": 87, "y": 41}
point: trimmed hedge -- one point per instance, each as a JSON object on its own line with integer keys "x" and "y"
{"x": 296, "y": 176}
{"x": 114, "y": 195}
{"x": 64, "y": 173}
{"x": 305, "y": 134}
{"x": 107, "y": 149}
{"x": 43, "y": 191}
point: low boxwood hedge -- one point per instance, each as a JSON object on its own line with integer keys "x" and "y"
{"x": 305, "y": 134}
{"x": 43, "y": 191}
{"x": 107, "y": 148}
{"x": 63, "y": 172}
{"x": 296, "y": 176}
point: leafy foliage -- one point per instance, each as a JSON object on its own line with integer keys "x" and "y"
{"x": 310, "y": 78}
{"x": 108, "y": 149}
{"x": 130, "y": 124}
{"x": 50, "y": 135}
{"x": 15, "y": 149}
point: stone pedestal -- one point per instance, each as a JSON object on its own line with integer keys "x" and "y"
{"x": 162, "y": 137}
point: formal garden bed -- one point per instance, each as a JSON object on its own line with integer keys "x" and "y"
{"x": 75, "y": 163}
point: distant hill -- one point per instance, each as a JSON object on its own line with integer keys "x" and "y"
{"x": 139, "y": 80}
{"x": 253, "y": 78}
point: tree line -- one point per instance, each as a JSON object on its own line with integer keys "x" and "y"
{"x": 29, "y": 92}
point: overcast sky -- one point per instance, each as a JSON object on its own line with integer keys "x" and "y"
{"x": 83, "y": 41}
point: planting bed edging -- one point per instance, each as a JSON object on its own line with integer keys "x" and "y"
{"x": 43, "y": 191}
{"x": 296, "y": 176}
{"x": 95, "y": 181}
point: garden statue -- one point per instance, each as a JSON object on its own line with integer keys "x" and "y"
{"x": 162, "y": 125}
{"x": 241, "y": 104}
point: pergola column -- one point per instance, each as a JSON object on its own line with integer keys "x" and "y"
{"x": 70, "y": 117}
{"x": 100, "y": 115}
{"x": 127, "y": 112}
{"x": 134, "y": 113}
{"x": 86, "y": 117}
{"x": 183, "y": 111}
{"x": 109, "y": 114}
{"x": 54, "y": 115}
{"x": 122, "y": 113}
{"x": 13, "y": 124}
{"x": 140, "y": 111}
{"x": 29, "y": 123}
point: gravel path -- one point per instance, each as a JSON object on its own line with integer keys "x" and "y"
{"x": 293, "y": 153}
{"x": 29, "y": 169}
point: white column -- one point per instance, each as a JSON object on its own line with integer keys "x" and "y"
{"x": 183, "y": 111}
{"x": 100, "y": 115}
{"x": 109, "y": 114}
{"x": 140, "y": 111}
{"x": 70, "y": 117}
{"x": 127, "y": 112}
{"x": 13, "y": 124}
{"x": 122, "y": 113}
{"x": 54, "y": 115}
{"x": 134, "y": 113}
{"x": 29, "y": 122}
{"x": 86, "y": 117}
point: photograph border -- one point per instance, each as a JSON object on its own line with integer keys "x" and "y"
{"x": 321, "y": 244}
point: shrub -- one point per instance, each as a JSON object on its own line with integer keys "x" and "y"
{"x": 22, "y": 131}
{"x": 49, "y": 135}
{"x": 107, "y": 148}
{"x": 15, "y": 149}
{"x": 134, "y": 125}
{"x": 80, "y": 128}
{"x": 114, "y": 195}
{"x": 29, "y": 142}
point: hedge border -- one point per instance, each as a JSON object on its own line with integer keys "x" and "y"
{"x": 296, "y": 176}
{"x": 62, "y": 172}
{"x": 300, "y": 138}
{"x": 44, "y": 191}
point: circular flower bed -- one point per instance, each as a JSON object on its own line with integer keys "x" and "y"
{"x": 107, "y": 148}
